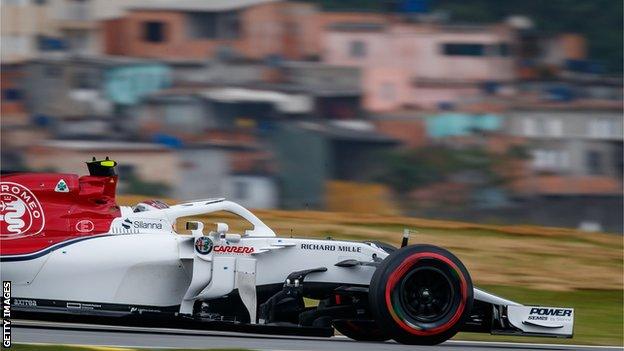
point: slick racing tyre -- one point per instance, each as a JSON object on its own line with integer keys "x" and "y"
{"x": 421, "y": 295}
{"x": 360, "y": 330}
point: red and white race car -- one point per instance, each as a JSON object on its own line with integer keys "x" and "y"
{"x": 67, "y": 248}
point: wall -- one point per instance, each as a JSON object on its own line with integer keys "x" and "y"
{"x": 320, "y": 75}
{"x": 303, "y": 166}
{"x": 175, "y": 115}
{"x": 460, "y": 124}
{"x": 404, "y": 65}
{"x": 252, "y": 191}
{"x": 126, "y": 85}
{"x": 417, "y": 51}
{"x": 52, "y": 87}
{"x": 410, "y": 131}
{"x": 320, "y": 28}
{"x": 270, "y": 28}
{"x": 356, "y": 197}
{"x": 153, "y": 165}
{"x": 12, "y": 99}
{"x": 126, "y": 37}
{"x": 203, "y": 174}
{"x": 20, "y": 25}
{"x": 572, "y": 134}
{"x": 555, "y": 211}
{"x": 48, "y": 84}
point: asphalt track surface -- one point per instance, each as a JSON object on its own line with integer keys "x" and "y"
{"x": 81, "y": 334}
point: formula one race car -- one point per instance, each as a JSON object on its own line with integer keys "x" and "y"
{"x": 67, "y": 248}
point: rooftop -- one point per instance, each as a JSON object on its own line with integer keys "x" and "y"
{"x": 108, "y": 145}
{"x": 562, "y": 185}
{"x": 354, "y": 131}
{"x": 105, "y": 60}
{"x": 197, "y": 5}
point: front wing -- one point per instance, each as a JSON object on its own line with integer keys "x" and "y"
{"x": 497, "y": 315}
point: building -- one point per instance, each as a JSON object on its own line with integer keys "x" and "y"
{"x": 12, "y": 96}
{"x": 311, "y": 154}
{"x": 406, "y": 126}
{"x": 145, "y": 161}
{"x": 80, "y": 23}
{"x": 195, "y": 29}
{"x": 575, "y": 168}
{"x": 253, "y": 97}
{"x": 421, "y": 65}
{"x": 90, "y": 85}
{"x": 572, "y": 141}
{"x": 216, "y": 169}
{"x": 16, "y": 131}
{"x": 189, "y": 114}
{"x": 26, "y": 28}
{"x": 33, "y": 27}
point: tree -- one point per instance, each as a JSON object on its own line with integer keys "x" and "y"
{"x": 407, "y": 170}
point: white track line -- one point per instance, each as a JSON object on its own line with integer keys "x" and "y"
{"x": 111, "y": 328}
{"x": 522, "y": 344}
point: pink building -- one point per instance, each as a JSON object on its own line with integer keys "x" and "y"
{"x": 420, "y": 65}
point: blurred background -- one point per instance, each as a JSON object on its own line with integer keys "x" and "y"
{"x": 502, "y": 112}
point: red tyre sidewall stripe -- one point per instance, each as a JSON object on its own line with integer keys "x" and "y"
{"x": 399, "y": 273}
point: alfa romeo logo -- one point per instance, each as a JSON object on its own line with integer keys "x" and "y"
{"x": 203, "y": 245}
{"x": 85, "y": 226}
{"x": 20, "y": 212}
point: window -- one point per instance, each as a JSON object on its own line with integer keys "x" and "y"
{"x": 357, "y": 48}
{"x": 241, "y": 190}
{"x": 529, "y": 127}
{"x": 229, "y": 25}
{"x": 601, "y": 128}
{"x": 551, "y": 159}
{"x": 554, "y": 127}
{"x": 154, "y": 32}
{"x": 503, "y": 49}
{"x": 456, "y": 49}
{"x": 15, "y": 44}
{"x": 52, "y": 71}
{"x": 126, "y": 171}
{"x": 593, "y": 161}
{"x": 210, "y": 25}
{"x": 78, "y": 42}
{"x": 12, "y": 95}
{"x": 82, "y": 80}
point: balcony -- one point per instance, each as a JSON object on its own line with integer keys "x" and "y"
{"x": 77, "y": 15}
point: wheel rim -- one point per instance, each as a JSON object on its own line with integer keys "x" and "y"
{"x": 461, "y": 297}
{"x": 427, "y": 294}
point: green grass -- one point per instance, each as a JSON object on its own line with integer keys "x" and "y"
{"x": 598, "y": 315}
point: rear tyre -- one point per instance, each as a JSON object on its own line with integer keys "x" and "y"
{"x": 360, "y": 330}
{"x": 421, "y": 295}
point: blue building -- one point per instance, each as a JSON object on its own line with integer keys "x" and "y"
{"x": 78, "y": 86}
{"x": 457, "y": 124}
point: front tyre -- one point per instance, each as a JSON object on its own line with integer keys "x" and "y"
{"x": 421, "y": 295}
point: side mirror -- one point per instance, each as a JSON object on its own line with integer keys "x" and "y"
{"x": 222, "y": 228}
{"x": 196, "y": 228}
